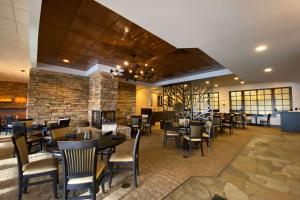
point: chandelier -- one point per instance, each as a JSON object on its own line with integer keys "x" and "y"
{"x": 134, "y": 72}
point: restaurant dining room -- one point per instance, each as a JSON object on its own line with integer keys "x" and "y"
{"x": 149, "y": 100}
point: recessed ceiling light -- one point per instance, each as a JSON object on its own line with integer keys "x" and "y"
{"x": 242, "y": 82}
{"x": 146, "y": 64}
{"x": 130, "y": 71}
{"x": 268, "y": 69}
{"x": 185, "y": 85}
{"x": 236, "y": 78}
{"x": 260, "y": 48}
{"x": 152, "y": 69}
{"x": 216, "y": 85}
{"x": 126, "y": 63}
{"x": 141, "y": 72}
{"x": 118, "y": 67}
{"x": 207, "y": 82}
{"x": 66, "y": 60}
{"x": 136, "y": 76}
{"x": 126, "y": 29}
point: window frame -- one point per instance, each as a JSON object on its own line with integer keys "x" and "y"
{"x": 273, "y": 112}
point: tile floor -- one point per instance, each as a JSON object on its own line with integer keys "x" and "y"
{"x": 162, "y": 169}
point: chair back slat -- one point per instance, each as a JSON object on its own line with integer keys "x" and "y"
{"x": 196, "y": 130}
{"x": 19, "y": 129}
{"x": 217, "y": 120}
{"x": 208, "y": 125}
{"x": 79, "y": 157}
{"x": 135, "y": 120}
{"x": 21, "y": 150}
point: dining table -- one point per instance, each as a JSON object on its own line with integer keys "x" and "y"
{"x": 105, "y": 140}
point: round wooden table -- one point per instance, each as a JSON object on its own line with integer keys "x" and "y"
{"x": 104, "y": 141}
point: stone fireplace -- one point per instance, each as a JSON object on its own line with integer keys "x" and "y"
{"x": 103, "y": 95}
{"x": 102, "y": 117}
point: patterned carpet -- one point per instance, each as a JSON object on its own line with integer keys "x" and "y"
{"x": 162, "y": 169}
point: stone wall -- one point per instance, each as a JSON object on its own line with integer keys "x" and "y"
{"x": 126, "y": 101}
{"x": 52, "y": 95}
{"x": 103, "y": 92}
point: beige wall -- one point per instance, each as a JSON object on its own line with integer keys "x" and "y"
{"x": 275, "y": 120}
{"x": 146, "y": 97}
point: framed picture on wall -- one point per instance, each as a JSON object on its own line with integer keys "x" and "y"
{"x": 159, "y": 100}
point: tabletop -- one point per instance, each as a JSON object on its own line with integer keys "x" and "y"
{"x": 104, "y": 141}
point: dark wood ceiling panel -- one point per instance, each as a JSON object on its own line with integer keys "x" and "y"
{"x": 87, "y": 33}
{"x": 94, "y": 12}
{"x": 76, "y": 43}
{"x": 52, "y": 14}
{"x": 86, "y": 28}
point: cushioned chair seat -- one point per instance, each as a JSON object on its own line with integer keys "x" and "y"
{"x": 205, "y": 135}
{"x": 192, "y": 139}
{"x": 40, "y": 166}
{"x": 172, "y": 133}
{"x": 88, "y": 179}
{"x": 120, "y": 157}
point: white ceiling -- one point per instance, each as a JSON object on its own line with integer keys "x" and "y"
{"x": 227, "y": 30}
{"x": 14, "y": 49}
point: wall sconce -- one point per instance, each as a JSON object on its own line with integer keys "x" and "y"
{"x": 20, "y": 99}
{"x": 223, "y": 103}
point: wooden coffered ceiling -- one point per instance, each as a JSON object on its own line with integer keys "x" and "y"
{"x": 87, "y": 33}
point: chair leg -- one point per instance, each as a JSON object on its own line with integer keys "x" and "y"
{"x": 25, "y": 186}
{"x": 190, "y": 147}
{"x": 137, "y": 168}
{"x": 103, "y": 186}
{"x": 134, "y": 176}
{"x": 110, "y": 174}
{"x": 201, "y": 146}
{"x": 66, "y": 192}
{"x": 20, "y": 189}
{"x": 54, "y": 184}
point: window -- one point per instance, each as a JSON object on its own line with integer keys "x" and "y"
{"x": 210, "y": 100}
{"x": 282, "y": 99}
{"x": 261, "y": 101}
{"x": 264, "y": 101}
{"x": 236, "y": 100}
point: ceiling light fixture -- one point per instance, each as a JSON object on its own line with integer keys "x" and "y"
{"x": 126, "y": 63}
{"x": 134, "y": 72}
{"x": 66, "y": 60}
{"x": 216, "y": 85}
{"x": 261, "y": 48}
{"x": 269, "y": 69}
{"x": 242, "y": 82}
{"x": 236, "y": 78}
{"x": 207, "y": 82}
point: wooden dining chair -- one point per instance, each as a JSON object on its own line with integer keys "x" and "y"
{"x": 228, "y": 122}
{"x": 81, "y": 168}
{"x": 59, "y": 132}
{"x": 207, "y": 134}
{"x": 194, "y": 136}
{"x": 146, "y": 123}
{"x": 266, "y": 121}
{"x": 171, "y": 132}
{"x": 115, "y": 161}
{"x": 28, "y": 170}
{"x": 19, "y": 129}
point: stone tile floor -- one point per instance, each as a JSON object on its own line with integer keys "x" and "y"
{"x": 162, "y": 169}
{"x": 267, "y": 168}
